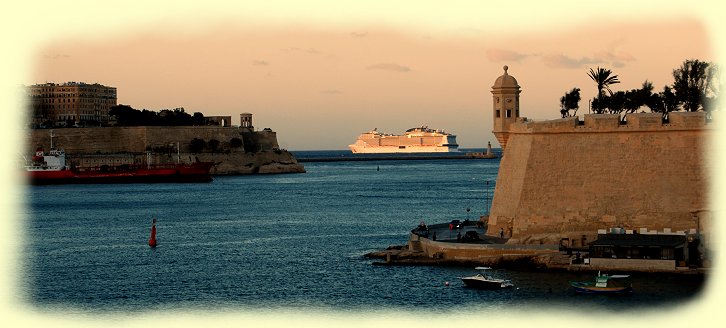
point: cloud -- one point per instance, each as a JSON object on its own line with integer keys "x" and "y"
{"x": 558, "y": 60}
{"x": 331, "y": 92}
{"x": 56, "y": 56}
{"x": 607, "y": 56}
{"x": 311, "y": 51}
{"x": 390, "y": 67}
{"x": 499, "y": 55}
{"x": 260, "y": 63}
{"x": 359, "y": 34}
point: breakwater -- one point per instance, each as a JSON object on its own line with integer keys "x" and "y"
{"x": 388, "y": 157}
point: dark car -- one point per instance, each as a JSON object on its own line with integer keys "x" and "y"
{"x": 454, "y": 224}
{"x": 470, "y": 236}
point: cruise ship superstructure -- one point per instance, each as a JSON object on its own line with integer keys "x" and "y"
{"x": 415, "y": 140}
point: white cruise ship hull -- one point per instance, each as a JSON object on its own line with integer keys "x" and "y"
{"x": 402, "y": 149}
{"x": 415, "y": 140}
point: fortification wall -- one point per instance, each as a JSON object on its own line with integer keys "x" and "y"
{"x": 566, "y": 179}
{"x": 127, "y": 139}
{"x": 114, "y": 145}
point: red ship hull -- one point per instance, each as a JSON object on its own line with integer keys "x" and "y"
{"x": 160, "y": 173}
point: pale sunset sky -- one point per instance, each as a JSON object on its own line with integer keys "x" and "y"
{"x": 322, "y": 74}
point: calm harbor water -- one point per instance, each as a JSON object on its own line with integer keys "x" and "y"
{"x": 283, "y": 242}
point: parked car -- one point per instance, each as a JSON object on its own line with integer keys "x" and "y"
{"x": 454, "y": 224}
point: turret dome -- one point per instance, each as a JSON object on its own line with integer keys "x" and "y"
{"x": 505, "y": 81}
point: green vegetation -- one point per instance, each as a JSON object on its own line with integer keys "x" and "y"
{"x": 235, "y": 142}
{"x": 213, "y": 145}
{"x": 603, "y": 79}
{"x": 197, "y": 145}
{"x": 696, "y": 86}
{"x": 127, "y": 116}
{"x": 570, "y": 101}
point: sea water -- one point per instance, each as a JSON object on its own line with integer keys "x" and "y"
{"x": 290, "y": 241}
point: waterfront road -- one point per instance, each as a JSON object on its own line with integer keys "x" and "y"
{"x": 464, "y": 232}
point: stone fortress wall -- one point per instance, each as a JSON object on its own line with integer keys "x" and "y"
{"x": 567, "y": 178}
{"x": 117, "y": 145}
{"x": 138, "y": 138}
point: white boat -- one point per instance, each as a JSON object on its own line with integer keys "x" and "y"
{"x": 484, "y": 281}
{"x": 414, "y": 140}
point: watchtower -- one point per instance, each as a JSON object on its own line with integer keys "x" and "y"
{"x": 505, "y": 97}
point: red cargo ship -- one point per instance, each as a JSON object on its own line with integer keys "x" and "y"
{"x": 51, "y": 168}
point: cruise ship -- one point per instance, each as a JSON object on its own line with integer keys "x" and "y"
{"x": 415, "y": 140}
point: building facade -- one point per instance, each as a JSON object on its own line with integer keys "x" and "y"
{"x": 225, "y": 121}
{"x": 70, "y": 104}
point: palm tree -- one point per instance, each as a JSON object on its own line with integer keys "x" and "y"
{"x": 603, "y": 78}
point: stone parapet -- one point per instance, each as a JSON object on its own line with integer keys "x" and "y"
{"x": 603, "y": 123}
{"x": 691, "y": 120}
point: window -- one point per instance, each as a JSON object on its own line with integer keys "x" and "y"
{"x": 498, "y": 113}
{"x": 509, "y": 113}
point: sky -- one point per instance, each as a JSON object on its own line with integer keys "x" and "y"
{"x": 319, "y": 82}
{"x": 321, "y": 72}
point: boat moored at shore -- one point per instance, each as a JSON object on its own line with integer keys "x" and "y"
{"x": 604, "y": 284}
{"x": 51, "y": 168}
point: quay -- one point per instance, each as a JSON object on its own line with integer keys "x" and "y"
{"x": 388, "y": 157}
{"x": 468, "y": 244}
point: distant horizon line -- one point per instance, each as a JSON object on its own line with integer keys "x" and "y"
{"x": 460, "y": 149}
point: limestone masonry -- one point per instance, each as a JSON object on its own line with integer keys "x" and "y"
{"x": 258, "y": 151}
{"x": 568, "y": 178}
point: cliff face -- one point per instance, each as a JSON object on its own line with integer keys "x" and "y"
{"x": 252, "y": 153}
{"x": 560, "y": 179}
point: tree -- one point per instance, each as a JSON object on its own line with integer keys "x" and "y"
{"x": 690, "y": 84}
{"x": 603, "y": 79}
{"x": 663, "y": 102}
{"x": 570, "y": 101}
{"x": 198, "y": 118}
{"x": 213, "y": 145}
{"x": 125, "y": 115}
{"x": 235, "y": 142}
{"x": 616, "y": 102}
{"x": 644, "y": 94}
{"x": 713, "y": 88}
{"x": 197, "y": 145}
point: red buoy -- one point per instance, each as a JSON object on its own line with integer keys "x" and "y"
{"x": 152, "y": 239}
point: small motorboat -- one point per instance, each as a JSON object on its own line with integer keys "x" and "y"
{"x": 484, "y": 281}
{"x": 604, "y": 284}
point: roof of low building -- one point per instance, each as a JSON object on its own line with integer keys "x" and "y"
{"x": 639, "y": 240}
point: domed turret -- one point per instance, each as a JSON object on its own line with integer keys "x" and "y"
{"x": 505, "y": 92}
{"x": 505, "y": 81}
